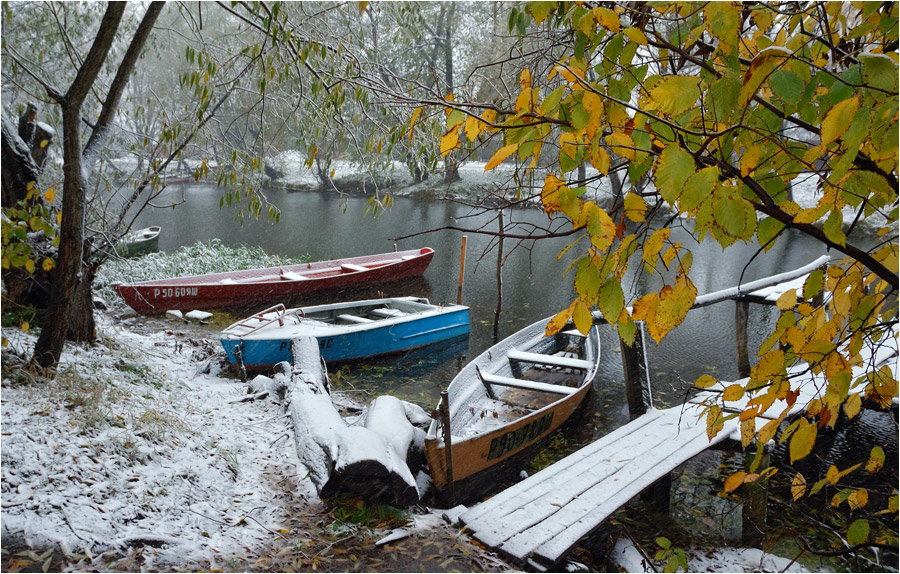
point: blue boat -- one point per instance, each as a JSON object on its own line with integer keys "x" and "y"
{"x": 345, "y": 331}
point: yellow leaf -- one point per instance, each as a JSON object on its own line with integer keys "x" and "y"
{"x": 567, "y": 144}
{"x": 838, "y": 119}
{"x": 675, "y": 94}
{"x": 654, "y": 245}
{"x": 449, "y": 142}
{"x": 559, "y": 320}
{"x": 608, "y": 19}
{"x": 635, "y": 207}
{"x": 525, "y": 79}
{"x": 600, "y": 159}
{"x": 412, "y": 121}
{"x": 473, "y": 128}
{"x": 29, "y": 265}
{"x": 582, "y": 316}
{"x": 705, "y": 381}
{"x": 748, "y": 429}
{"x": 714, "y": 422}
{"x": 787, "y": 300}
{"x": 798, "y": 486}
{"x": 735, "y": 480}
{"x": 621, "y": 144}
{"x": 50, "y": 195}
{"x": 750, "y": 159}
{"x": 636, "y": 36}
{"x": 876, "y": 460}
{"x": 802, "y": 440}
{"x": 733, "y": 392}
{"x": 858, "y": 499}
{"x": 48, "y": 264}
{"x": 767, "y": 432}
{"x": 501, "y": 155}
{"x": 489, "y": 117}
{"x": 24, "y": 326}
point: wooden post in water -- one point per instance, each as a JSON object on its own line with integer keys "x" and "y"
{"x": 756, "y": 497}
{"x": 640, "y": 399}
{"x": 445, "y": 427}
{"x": 462, "y": 269}
{"x": 637, "y": 380}
{"x": 741, "y": 314}
{"x": 499, "y": 281}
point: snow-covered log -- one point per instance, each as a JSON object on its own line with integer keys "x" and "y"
{"x": 354, "y": 460}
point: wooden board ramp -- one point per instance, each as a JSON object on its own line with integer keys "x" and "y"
{"x": 540, "y": 519}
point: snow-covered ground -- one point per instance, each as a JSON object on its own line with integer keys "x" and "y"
{"x": 131, "y": 446}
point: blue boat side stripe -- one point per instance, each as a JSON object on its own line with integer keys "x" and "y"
{"x": 438, "y": 330}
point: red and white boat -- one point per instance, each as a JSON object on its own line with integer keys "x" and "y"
{"x": 271, "y": 284}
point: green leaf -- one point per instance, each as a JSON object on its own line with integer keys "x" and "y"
{"x": 832, "y": 228}
{"x": 858, "y": 532}
{"x": 588, "y": 281}
{"x": 732, "y": 214}
{"x": 540, "y": 10}
{"x": 814, "y": 283}
{"x": 767, "y": 231}
{"x": 788, "y": 86}
{"x": 675, "y": 94}
{"x": 663, "y": 542}
{"x": 673, "y": 168}
{"x": 698, "y": 188}
{"x": 611, "y": 299}
{"x": 879, "y": 71}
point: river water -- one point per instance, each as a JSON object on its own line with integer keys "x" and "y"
{"x": 325, "y": 226}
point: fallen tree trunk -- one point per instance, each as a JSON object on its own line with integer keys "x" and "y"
{"x": 341, "y": 459}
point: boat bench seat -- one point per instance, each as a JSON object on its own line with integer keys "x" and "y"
{"x": 291, "y": 276}
{"x": 523, "y": 384}
{"x": 354, "y": 319}
{"x": 387, "y": 312}
{"x": 550, "y": 360}
{"x": 353, "y": 267}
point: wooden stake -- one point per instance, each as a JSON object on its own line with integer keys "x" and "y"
{"x": 637, "y": 380}
{"x": 462, "y": 269}
{"x": 741, "y": 314}
{"x": 445, "y": 427}
{"x": 755, "y": 495}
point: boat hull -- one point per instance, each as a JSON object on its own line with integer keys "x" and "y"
{"x": 140, "y": 242}
{"x": 264, "y": 353}
{"x": 270, "y": 285}
{"x": 482, "y": 450}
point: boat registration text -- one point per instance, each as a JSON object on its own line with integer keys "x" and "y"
{"x": 167, "y": 292}
{"x": 514, "y": 439}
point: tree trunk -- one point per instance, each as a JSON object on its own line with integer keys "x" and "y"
{"x": 69, "y": 276}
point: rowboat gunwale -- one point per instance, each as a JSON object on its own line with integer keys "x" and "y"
{"x": 470, "y": 454}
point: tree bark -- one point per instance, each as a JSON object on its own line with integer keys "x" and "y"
{"x": 69, "y": 275}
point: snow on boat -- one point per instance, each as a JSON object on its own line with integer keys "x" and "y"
{"x": 505, "y": 402}
{"x": 139, "y": 242}
{"x": 271, "y": 284}
{"x": 345, "y": 331}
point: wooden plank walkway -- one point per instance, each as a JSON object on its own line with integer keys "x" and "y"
{"x": 539, "y": 520}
